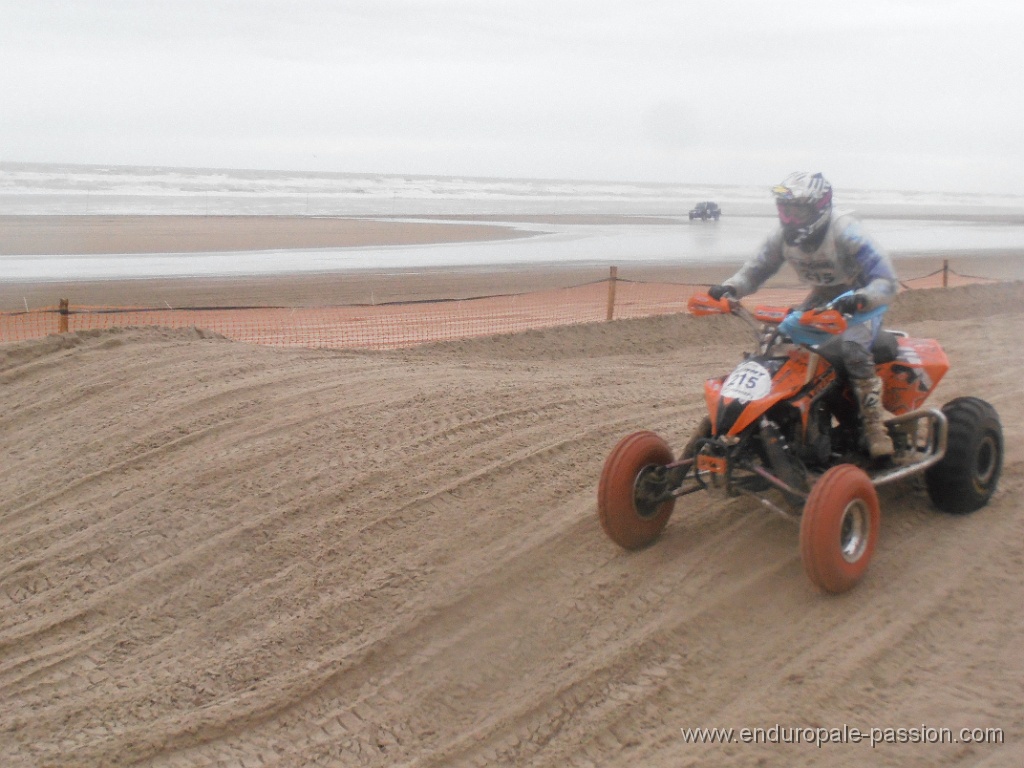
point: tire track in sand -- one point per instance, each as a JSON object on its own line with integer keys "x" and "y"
{"x": 394, "y": 560}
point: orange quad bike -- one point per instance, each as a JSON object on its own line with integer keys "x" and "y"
{"x": 784, "y": 427}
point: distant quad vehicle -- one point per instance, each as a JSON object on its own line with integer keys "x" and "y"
{"x": 705, "y": 211}
{"x": 784, "y": 428}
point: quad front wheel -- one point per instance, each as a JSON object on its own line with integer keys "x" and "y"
{"x": 630, "y": 494}
{"x": 839, "y": 528}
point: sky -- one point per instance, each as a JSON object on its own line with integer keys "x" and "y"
{"x": 890, "y": 94}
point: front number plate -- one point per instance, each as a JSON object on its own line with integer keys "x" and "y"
{"x": 750, "y": 381}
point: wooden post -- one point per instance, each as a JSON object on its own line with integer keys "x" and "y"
{"x": 612, "y": 277}
{"x": 62, "y": 322}
{"x": 945, "y": 273}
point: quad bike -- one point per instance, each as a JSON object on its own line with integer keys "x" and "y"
{"x": 784, "y": 427}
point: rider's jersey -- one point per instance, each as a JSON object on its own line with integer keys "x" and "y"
{"x": 846, "y": 259}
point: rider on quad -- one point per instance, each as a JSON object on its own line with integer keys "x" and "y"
{"x": 831, "y": 252}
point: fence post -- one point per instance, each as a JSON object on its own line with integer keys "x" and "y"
{"x": 62, "y": 320}
{"x": 945, "y": 273}
{"x": 612, "y": 277}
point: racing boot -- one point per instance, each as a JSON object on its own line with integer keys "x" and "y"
{"x": 869, "y": 399}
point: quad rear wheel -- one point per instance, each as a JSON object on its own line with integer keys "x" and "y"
{"x": 839, "y": 528}
{"x": 631, "y": 509}
{"x": 967, "y": 476}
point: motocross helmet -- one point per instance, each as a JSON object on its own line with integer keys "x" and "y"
{"x": 804, "y": 201}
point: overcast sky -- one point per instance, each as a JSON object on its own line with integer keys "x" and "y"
{"x": 891, "y": 94}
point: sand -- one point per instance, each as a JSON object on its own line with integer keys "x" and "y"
{"x": 213, "y": 553}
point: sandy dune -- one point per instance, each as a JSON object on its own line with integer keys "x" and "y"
{"x": 221, "y": 554}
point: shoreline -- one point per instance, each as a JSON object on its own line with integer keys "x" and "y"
{"x": 130, "y": 234}
{"x": 364, "y": 285}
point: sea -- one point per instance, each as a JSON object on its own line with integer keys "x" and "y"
{"x": 901, "y": 221}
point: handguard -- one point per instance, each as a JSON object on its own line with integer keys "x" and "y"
{"x": 824, "y": 320}
{"x": 702, "y": 305}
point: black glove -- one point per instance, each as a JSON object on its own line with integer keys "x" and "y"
{"x": 849, "y": 305}
{"x": 716, "y": 292}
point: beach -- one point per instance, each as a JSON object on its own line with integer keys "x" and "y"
{"x": 217, "y": 553}
{"x": 98, "y": 235}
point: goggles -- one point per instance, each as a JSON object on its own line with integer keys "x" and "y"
{"x": 796, "y": 214}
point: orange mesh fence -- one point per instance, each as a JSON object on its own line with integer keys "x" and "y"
{"x": 34, "y": 324}
{"x": 390, "y": 326}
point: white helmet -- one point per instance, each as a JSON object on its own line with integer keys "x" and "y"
{"x": 804, "y": 201}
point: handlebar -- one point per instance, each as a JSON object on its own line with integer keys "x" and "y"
{"x": 810, "y": 327}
